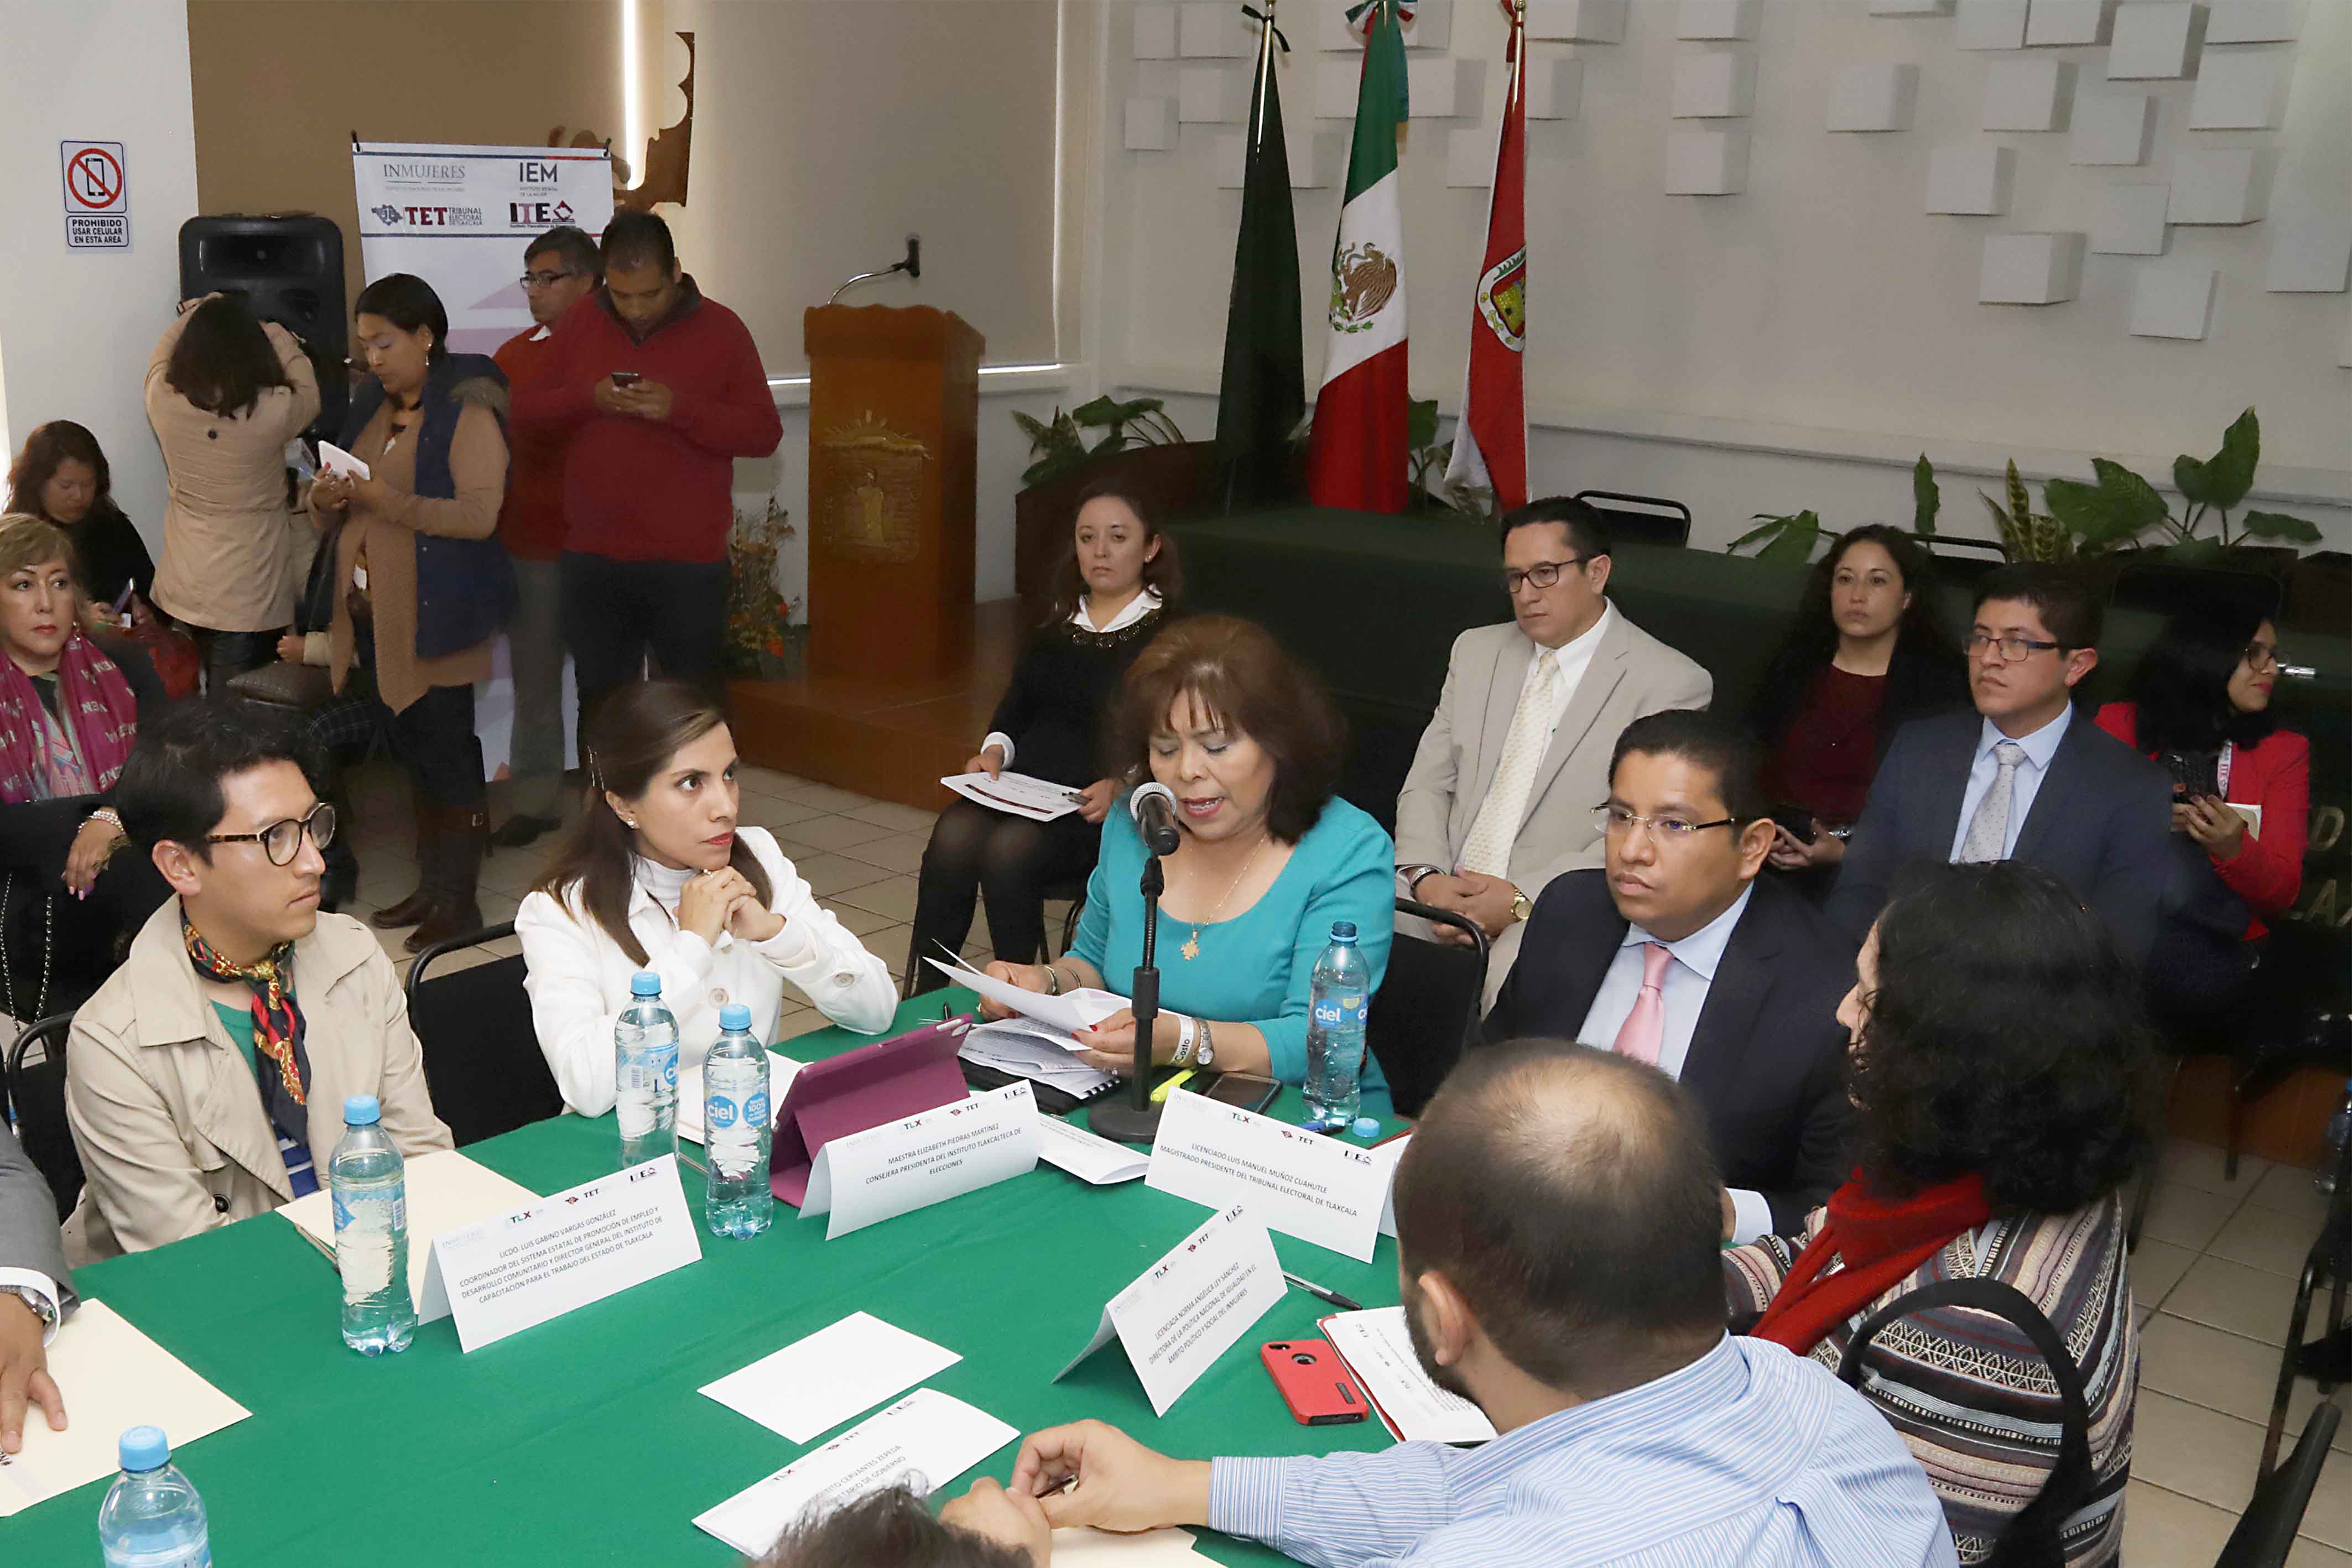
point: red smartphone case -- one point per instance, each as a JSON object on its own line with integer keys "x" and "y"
{"x": 1313, "y": 1381}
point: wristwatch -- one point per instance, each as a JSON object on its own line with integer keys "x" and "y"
{"x": 1520, "y": 905}
{"x": 38, "y": 1303}
{"x": 1203, "y": 1054}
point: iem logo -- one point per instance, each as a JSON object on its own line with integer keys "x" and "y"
{"x": 536, "y": 173}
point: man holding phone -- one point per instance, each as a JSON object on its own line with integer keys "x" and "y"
{"x": 656, "y": 391}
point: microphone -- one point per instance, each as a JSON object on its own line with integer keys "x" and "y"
{"x": 1153, "y": 806}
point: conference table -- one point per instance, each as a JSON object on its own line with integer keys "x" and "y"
{"x": 584, "y": 1441}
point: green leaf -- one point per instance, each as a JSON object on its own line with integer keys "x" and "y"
{"x": 1420, "y": 424}
{"x": 2010, "y": 545}
{"x": 1102, "y": 411}
{"x": 2194, "y": 552}
{"x": 2278, "y": 526}
{"x": 1926, "y": 500}
{"x": 1773, "y": 525}
{"x": 1114, "y": 440}
{"x": 1796, "y": 541}
{"x": 2020, "y": 504}
{"x": 2120, "y": 506}
{"x": 2222, "y": 480}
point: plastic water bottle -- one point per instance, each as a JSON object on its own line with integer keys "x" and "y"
{"x": 1335, "y": 1028}
{"x": 370, "y": 1184}
{"x": 2339, "y": 1127}
{"x": 645, "y": 1072}
{"x": 736, "y": 1200}
{"x": 151, "y": 1517}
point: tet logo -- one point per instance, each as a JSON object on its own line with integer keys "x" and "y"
{"x": 530, "y": 172}
{"x": 422, "y": 217}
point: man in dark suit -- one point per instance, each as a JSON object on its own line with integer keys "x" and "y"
{"x": 1675, "y": 954}
{"x": 35, "y": 1293}
{"x": 2022, "y": 778}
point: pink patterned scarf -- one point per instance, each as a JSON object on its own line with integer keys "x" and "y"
{"x": 37, "y": 763}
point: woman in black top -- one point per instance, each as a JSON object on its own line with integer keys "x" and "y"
{"x": 62, "y": 477}
{"x": 1112, "y": 595}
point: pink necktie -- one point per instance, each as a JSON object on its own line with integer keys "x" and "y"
{"x": 1645, "y": 1028}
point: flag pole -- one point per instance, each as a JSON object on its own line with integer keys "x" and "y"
{"x": 1265, "y": 68}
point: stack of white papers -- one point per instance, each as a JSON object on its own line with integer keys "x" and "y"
{"x": 816, "y": 1384}
{"x": 1378, "y": 1348}
{"x": 1088, "y": 1156}
{"x": 1068, "y": 1013}
{"x": 446, "y": 1192}
{"x": 1026, "y": 1048}
{"x": 781, "y": 1071}
{"x": 1016, "y": 794}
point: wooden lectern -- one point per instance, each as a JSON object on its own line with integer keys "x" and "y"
{"x": 894, "y": 438}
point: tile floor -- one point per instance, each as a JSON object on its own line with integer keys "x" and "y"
{"x": 2214, "y": 1277}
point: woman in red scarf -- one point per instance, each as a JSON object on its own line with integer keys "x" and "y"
{"x": 68, "y": 717}
{"x": 1997, "y": 1039}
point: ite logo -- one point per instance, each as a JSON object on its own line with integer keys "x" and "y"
{"x": 538, "y": 215}
{"x": 386, "y": 214}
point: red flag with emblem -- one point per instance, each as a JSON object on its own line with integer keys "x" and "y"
{"x": 1490, "y": 444}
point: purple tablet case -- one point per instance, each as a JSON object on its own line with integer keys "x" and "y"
{"x": 904, "y": 1076}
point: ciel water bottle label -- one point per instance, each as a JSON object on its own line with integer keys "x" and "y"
{"x": 342, "y": 1214}
{"x": 755, "y": 1111}
{"x": 720, "y": 1113}
{"x": 1327, "y": 1012}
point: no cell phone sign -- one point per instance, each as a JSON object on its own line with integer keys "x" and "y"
{"x": 97, "y": 195}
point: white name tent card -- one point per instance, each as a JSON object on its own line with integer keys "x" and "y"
{"x": 555, "y": 1254}
{"x": 1391, "y": 1153}
{"x": 1187, "y": 1309}
{"x": 900, "y": 1167}
{"x": 446, "y": 1191}
{"x": 814, "y": 1384}
{"x": 1087, "y": 1155}
{"x": 926, "y": 1440}
{"x": 113, "y": 1377}
{"x": 1303, "y": 1184}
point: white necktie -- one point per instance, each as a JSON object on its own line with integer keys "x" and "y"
{"x": 1988, "y": 837}
{"x": 1497, "y": 826}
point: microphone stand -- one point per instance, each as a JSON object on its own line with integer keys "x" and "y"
{"x": 1138, "y": 1122}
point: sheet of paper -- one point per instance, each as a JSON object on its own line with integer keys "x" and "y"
{"x": 781, "y": 1071}
{"x": 900, "y": 1167}
{"x": 1088, "y": 1156}
{"x": 335, "y": 460}
{"x": 1187, "y": 1309}
{"x": 926, "y": 1440}
{"x": 113, "y": 1378}
{"x": 1378, "y": 1348}
{"x": 1318, "y": 1188}
{"x": 814, "y": 1384}
{"x": 1027, "y": 1048}
{"x": 1165, "y": 1548}
{"x": 446, "y": 1191}
{"x": 1016, "y": 794}
{"x": 1069, "y": 1012}
{"x": 556, "y": 1254}
{"x": 1390, "y": 1153}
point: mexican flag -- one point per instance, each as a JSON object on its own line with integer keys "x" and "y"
{"x": 1262, "y": 392}
{"x": 1356, "y": 452}
{"x": 1490, "y": 444}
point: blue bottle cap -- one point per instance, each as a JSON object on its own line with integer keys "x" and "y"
{"x": 1367, "y": 1127}
{"x": 733, "y": 1016}
{"x": 362, "y": 1111}
{"x": 1343, "y": 931}
{"x": 144, "y": 1448}
{"x": 645, "y": 983}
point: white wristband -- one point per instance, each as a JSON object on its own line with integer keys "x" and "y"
{"x": 1184, "y": 1028}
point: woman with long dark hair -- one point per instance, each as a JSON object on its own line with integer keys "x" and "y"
{"x": 423, "y": 587}
{"x": 657, "y": 874}
{"x": 1998, "y": 1041}
{"x": 63, "y": 478}
{"x": 225, "y": 393}
{"x": 1865, "y": 657}
{"x": 1112, "y": 594}
{"x": 2241, "y": 794}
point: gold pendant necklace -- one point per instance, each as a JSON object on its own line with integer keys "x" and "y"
{"x": 1192, "y": 948}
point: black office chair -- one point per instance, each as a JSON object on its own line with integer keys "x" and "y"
{"x": 482, "y": 1061}
{"x": 1075, "y": 891}
{"x": 37, "y": 1093}
{"x": 2329, "y": 1263}
{"x": 1427, "y": 1009}
{"x": 1962, "y": 561}
{"x": 2266, "y": 1530}
{"x": 1644, "y": 520}
{"x": 2166, "y": 588}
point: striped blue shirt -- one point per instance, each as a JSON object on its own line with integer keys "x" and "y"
{"x": 1747, "y": 1456}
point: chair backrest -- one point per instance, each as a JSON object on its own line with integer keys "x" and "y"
{"x": 1427, "y": 1007}
{"x": 1652, "y": 519}
{"x": 2266, "y": 1530}
{"x": 37, "y": 1090}
{"x": 2167, "y": 587}
{"x": 1962, "y": 561}
{"x": 482, "y": 1061}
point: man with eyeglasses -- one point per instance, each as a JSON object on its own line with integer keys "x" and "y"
{"x": 1499, "y": 798}
{"x": 560, "y": 267}
{"x": 1675, "y": 954}
{"x": 2021, "y": 780}
{"x": 206, "y": 1078}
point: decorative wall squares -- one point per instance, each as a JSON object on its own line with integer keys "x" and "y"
{"x": 1576, "y": 21}
{"x": 1213, "y": 29}
{"x": 1717, "y": 85}
{"x": 2128, "y": 220}
{"x": 1973, "y": 180}
{"x": 1706, "y": 163}
{"x": 2029, "y": 268}
{"x": 2239, "y": 89}
{"x": 1151, "y": 124}
{"x": 2151, "y": 42}
{"x": 1873, "y": 97}
{"x": 1555, "y": 88}
{"x": 1718, "y": 18}
{"x": 2218, "y": 187}
{"x": 1990, "y": 24}
{"x": 2252, "y": 21}
{"x": 1470, "y": 157}
{"x": 1442, "y": 88}
{"x": 2061, "y": 22}
{"x": 2028, "y": 93}
{"x": 2172, "y": 300}
{"x": 1910, "y": 7}
{"x": 1207, "y": 94}
{"x": 2112, "y": 128}
{"x": 2311, "y": 251}
{"x": 1155, "y": 31}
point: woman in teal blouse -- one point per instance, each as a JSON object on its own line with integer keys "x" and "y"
{"x": 1268, "y": 858}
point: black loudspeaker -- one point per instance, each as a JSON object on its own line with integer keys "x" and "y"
{"x": 288, "y": 270}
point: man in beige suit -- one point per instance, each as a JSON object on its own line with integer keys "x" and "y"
{"x": 206, "y": 1080}
{"x": 1504, "y": 785}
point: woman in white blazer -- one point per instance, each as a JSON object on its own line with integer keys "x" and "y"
{"x": 656, "y": 875}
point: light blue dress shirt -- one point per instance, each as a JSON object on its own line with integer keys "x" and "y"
{"x": 1685, "y": 987}
{"x": 1749, "y": 1455}
{"x": 2040, "y": 747}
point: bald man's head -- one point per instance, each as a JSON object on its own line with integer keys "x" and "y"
{"x": 1571, "y": 1196}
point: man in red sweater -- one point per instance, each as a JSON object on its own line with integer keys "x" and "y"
{"x": 657, "y": 391}
{"x": 560, "y": 267}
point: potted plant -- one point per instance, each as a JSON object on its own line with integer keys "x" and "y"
{"x": 762, "y": 643}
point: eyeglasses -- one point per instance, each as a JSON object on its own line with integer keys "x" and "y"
{"x": 281, "y": 842}
{"x": 1543, "y": 574}
{"x": 2261, "y": 657}
{"x": 2012, "y": 648}
{"x": 545, "y": 279}
{"x": 1617, "y": 822}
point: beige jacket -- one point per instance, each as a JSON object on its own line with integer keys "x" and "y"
{"x": 231, "y": 551}
{"x": 167, "y": 1117}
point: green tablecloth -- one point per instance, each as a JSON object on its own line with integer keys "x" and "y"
{"x": 583, "y": 1441}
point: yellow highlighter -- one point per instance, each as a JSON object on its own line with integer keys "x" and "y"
{"x": 1160, "y": 1095}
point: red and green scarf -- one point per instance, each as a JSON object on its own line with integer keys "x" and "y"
{"x": 277, "y": 1025}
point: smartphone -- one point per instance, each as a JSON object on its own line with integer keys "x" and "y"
{"x": 1247, "y": 1090}
{"x": 1797, "y": 821}
{"x": 2194, "y": 773}
{"x": 1312, "y": 1382}
{"x": 626, "y": 378}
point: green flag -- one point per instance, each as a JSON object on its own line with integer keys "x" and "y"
{"x": 1262, "y": 394}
